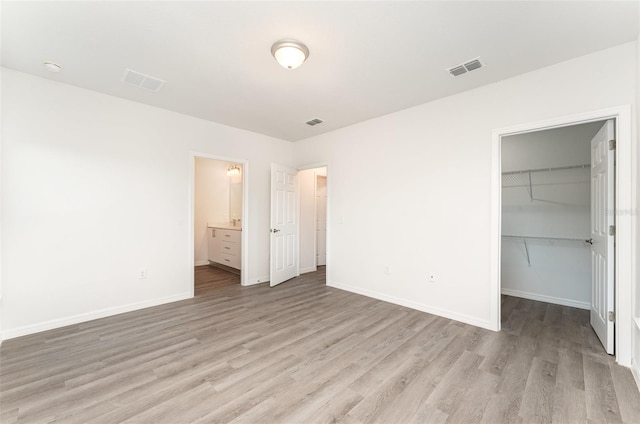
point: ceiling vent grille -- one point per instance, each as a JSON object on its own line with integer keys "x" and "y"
{"x": 468, "y": 66}
{"x": 314, "y": 121}
{"x": 458, "y": 70}
{"x": 140, "y": 80}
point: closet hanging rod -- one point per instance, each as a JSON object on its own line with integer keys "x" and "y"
{"x": 545, "y": 238}
{"x": 557, "y": 168}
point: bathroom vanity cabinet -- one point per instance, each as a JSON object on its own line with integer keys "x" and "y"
{"x": 225, "y": 246}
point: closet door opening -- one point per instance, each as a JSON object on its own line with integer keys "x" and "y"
{"x": 557, "y": 204}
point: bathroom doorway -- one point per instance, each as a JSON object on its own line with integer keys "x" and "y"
{"x": 219, "y": 204}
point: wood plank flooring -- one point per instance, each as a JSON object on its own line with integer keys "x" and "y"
{"x": 302, "y": 352}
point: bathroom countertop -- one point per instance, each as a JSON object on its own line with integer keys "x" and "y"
{"x": 224, "y": 226}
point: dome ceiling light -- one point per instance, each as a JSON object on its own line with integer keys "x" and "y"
{"x": 289, "y": 54}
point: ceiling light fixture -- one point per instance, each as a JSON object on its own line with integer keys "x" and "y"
{"x": 52, "y": 67}
{"x": 233, "y": 171}
{"x": 289, "y": 54}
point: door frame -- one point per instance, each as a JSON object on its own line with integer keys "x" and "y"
{"x": 625, "y": 189}
{"x": 244, "y": 262}
{"x": 328, "y": 217}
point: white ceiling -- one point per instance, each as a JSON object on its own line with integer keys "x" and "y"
{"x": 366, "y": 58}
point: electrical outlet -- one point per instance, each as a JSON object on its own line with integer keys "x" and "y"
{"x": 432, "y": 278}
{"x": 387, "y": 270}
{"x": 142, "y": 273}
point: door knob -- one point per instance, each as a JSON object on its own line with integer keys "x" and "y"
{"x": 590, "y": 241}
{"x": 275, "y": 230}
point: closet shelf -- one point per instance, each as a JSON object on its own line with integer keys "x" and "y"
{"x": 557, "y": 168}
{"x": 526, "y": 246}
{"x": 545, "y": 238}
{"x": 529, "y": 185}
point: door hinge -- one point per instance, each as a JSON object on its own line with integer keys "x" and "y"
{"x": 612, "y": 230}
{"x": 612, "y": 316}
{"x": 612, "y": 145}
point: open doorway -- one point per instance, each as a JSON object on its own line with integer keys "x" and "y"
{"x": 313, "y": 220}
{"x": 546, "y": 215}
{"x": 625, "y": 186}
{"x": 553, "y": 197}
{"x": 218, "y": 217}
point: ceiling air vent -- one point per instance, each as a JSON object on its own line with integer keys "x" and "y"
{"x": 140, "y": 80}
{"x": 314, "y": 121}
{"x": 473, "y": 65}
{"x": 468, "y": 66}
{"x": 458, "y": 70}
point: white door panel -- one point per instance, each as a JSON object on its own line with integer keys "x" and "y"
{"x": 284, "y": 224}
{"x": 602, "y": 248}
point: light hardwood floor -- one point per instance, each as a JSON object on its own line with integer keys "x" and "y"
{"x": 302, "y": 352}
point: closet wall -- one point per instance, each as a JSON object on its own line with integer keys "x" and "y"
{"x": 546, "y": 210}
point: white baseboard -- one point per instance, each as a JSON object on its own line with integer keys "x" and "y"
{"x": 256, "y": 281}
{"x": 308, "y": 269}
{"x": 413, "y": 305}
{"x": 547, "y": 299}
{"x": 200, "y": 263}
{"x": 75, "y": 319}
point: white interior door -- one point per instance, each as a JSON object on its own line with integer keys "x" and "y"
{"x": 321, "y": 221}
{"x": 284, "y": 224}
{"x": 602, "y": 235}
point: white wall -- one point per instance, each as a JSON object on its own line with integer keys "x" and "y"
{"x": 557, "y": 271}
{"x": 307, "y": 187}
{"x": 211, "y": 202}
{"x": 95, "y": 187}
{"x": 411, "y": 190}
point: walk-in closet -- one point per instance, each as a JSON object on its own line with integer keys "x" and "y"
{"x": 546, "y": 215}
